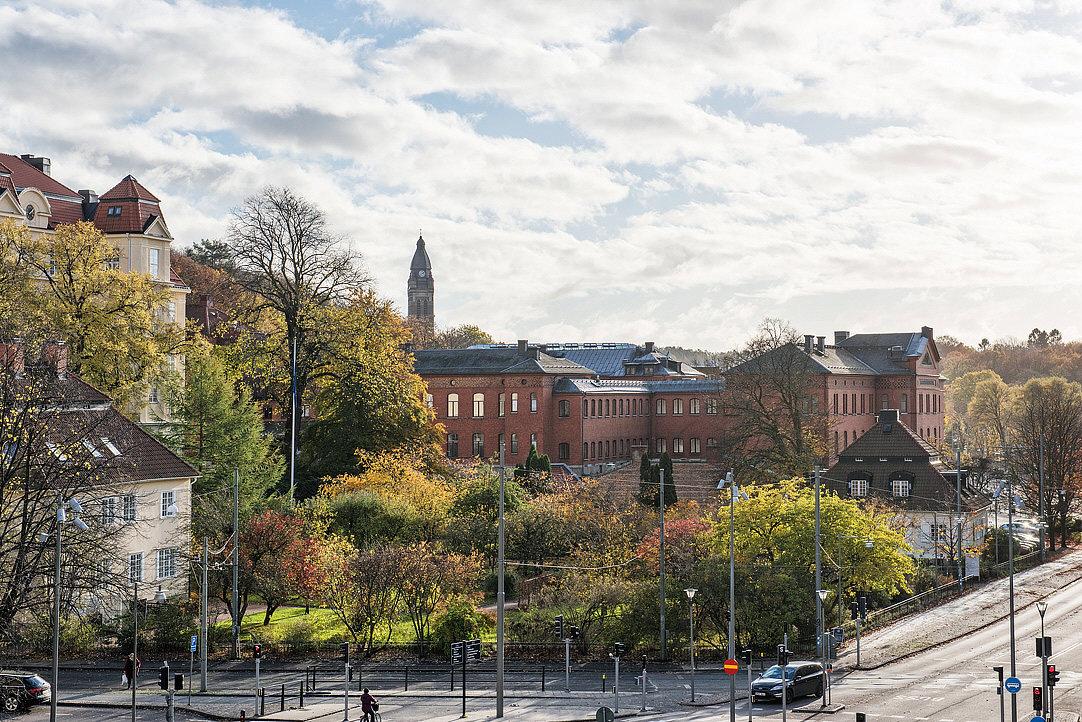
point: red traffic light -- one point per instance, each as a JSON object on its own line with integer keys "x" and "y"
{"x": 1038, "y": 699}
{"x": 257, "y": 651}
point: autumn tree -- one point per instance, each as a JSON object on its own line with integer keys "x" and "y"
{"x": 431, "y": 578}
{"x": 114, "y": 322}
{"x": 364, "y": 589}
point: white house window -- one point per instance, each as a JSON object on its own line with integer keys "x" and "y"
{"x": 167, "y": 563}
{"x": 89, "y": 446}
{"x": 171, "y": 311}
{"x": 695, "y": 448}
{"x": 113, "y": 263}
{"x": 940, "y": 533}
{"x": 478, "y": 406}
{"x": 108, "y": 510}
{"x": 452, "y": 406}
{"x": 858, "y": 487}
{"x": 108, "y": 444}
{"x": 152, "y": 262}
{"x": 129, "y": 507}
{"x": 900, "y": 487}
{"x": 135, "y": 567}
{"x": 514, "y": 402}
{"x": 154, "y": 395}
{"x": 678, "y": 445}
{"x": 169, "y": 504}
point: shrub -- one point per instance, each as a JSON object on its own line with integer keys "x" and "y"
{"x": 461, "y": 621}
{"x": 510, "y": 584}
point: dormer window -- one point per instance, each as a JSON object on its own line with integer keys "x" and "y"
{"x": 900, "y": 488}
{"x": 113, "y": 212}
{"x": 108, "y": 444}
{"x": 858, "y": 487}
{"x": 909, "y": 460}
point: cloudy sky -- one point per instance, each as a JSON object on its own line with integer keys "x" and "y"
{"x": 673, "y": 171}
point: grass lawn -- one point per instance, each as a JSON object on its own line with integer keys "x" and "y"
{"x": 324, "y": 625}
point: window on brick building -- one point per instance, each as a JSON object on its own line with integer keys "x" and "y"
{"x": 479, "y": 444}
{"x": 585, "y": 408}
{"x": 694, "y": 443}
{"x": 452, "y": 406}
{"x": 621, "y": 407}
{"x": 678, "y": 445}
{"x": 835, "y": 404}
{"x": 608, "y": 411}
{"x": 452, "y": 446}
{"x": 900, "y": 487}
{"x": 845, "y": 403}
{"x": 678, "y": 406}
{"x": 564, "y": 451}
{"x": 660, "y": 446}
{"x": 429, "y": 402}
{"x": 862, "y": 404}
{"x": 593, "y": 450}
{"x": 565, "y": 407}
{"x": 593, "y": 407}
{"x": 533, "y": 441}
{"x": 858, "y": 487}
{"x": 514, "y": 403}
{"x": 533, "y": 402}
{"x": 693, "y": 406}
{"x": 660, "y": 407}
{"x": 904, "y": 404}
{"x": 883, "y": 402}
{"x": 501, "y": 408}
{"x": 845, "y": 439}
{"x": 478, "y": 406}
{"x": 920, "y": 403}
{"x": 585, "y": 451}
{"x": 607, "y": 450}
{"x": 711, "y": 406}
{"x": 514, "y": 443}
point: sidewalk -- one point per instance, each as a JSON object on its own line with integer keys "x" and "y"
{"x": 961, "y": 616}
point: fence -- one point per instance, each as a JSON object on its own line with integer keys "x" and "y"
{"x": 916, "y": 603}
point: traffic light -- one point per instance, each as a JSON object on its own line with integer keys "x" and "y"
{"x": 178, "y": 681}
{"x": 558, "y": 626}
{"x": 572, "y": 632}
{"x": 163, "y": 676}
{"x": 999, "y": 672}
{"x": 1038, "y": 699}
{"x": 257, "y": 651}
{"x": 783, "y": 655}
{"x": 618, "y": 649}
{"x": 854, "y": 610}
{"x": 1053, "y": 675}
{"x": 745, "y": 657}
{"x": 343, "y": 652}
{"x": 862, "y": 606}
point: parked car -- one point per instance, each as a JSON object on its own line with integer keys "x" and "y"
{"x": 1027, "y": 535}
{"x": 22, "y": 690}
{"x": 802, "y": 678}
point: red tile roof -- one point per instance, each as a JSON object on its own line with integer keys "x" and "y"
{"x": 25, "y": 176}
{"x": 128, "y": 189}
{"x": 64, "y": 212}
{"x": 134, "y": 216}
{"x": 5, "y": 180}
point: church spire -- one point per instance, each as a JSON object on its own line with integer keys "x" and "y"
{"x": 420, "y": 289}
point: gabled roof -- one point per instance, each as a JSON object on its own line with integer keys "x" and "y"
{"x": 25, "y": 175}
{"x": 889, "y": 438}
{"x": 6, "y": 183}
{"x": 875, "y": 349}
{"x": 449, "y": 362}
{"x": 128, "y": 189}
{"x": 626, "y": 386}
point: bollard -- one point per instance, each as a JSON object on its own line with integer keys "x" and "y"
{"x": 313, "y": 679}
{"x": 603, "y": 678}
{"x": 283, "y": 709}
{"x": 351, "y": 673}
{"x": 301, "y": 704}
{"x": 262, "y": 701}
{"x": 406, "y": 673}
{"x": 542, "y": 678}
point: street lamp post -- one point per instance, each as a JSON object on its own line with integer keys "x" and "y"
{"x": 691, "y": 647}
{"x": 61, "y": 517}
{"x": 1042, "y": 607}
{"x": 819, "y": 621}
{"x": 821, "y": 595}
{"x": 656, "y": 463}
{"x": 729, "y": 483}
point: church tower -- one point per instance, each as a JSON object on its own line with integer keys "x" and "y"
{"x": 420, "y": 290}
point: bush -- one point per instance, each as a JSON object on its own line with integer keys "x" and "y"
{"x": 461, "y": 621}
{"x": 492, "y": 581}
{"x": 77, "y": 637}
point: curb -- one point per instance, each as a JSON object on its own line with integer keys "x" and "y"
{"x": 179, "y": 708}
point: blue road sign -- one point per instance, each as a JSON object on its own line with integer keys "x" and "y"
{"x": 195, "y": 642}
{"x": 1013, "y": 685}
{"x": 1038, "y": 718}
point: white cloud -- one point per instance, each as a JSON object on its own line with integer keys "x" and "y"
{"x": 836, "y": 163}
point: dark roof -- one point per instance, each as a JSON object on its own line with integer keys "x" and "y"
{"x": 875, "y": 350}
{"x": 420, "y": 257}
{"x": 448, "y": 362}
{"x": 868, "y": 354}
{"x": 891, "y": 450}
{"x": 612, "y": 360}
{"x": 624, "y": 386}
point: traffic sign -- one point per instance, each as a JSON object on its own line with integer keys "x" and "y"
{"x": 731, "y": 667}
{"x": 1013, "y": 685}
{"x": 195, "y": 643}
{"x": 604, "y": 714}
{"x": 1038, "y": 718}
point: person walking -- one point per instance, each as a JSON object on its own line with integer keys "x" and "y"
{"x": 369, "y": 705}
{"x": 131, "y": 666}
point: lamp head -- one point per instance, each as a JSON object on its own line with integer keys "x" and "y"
{"x": 75, "y": 505}
{"x": 822, "y": 594}
{"x": 80, "y": 524}
{"x": 160, "y": 596}
{"x": 1042, "y": 607}
{"x": 691, "y": 593}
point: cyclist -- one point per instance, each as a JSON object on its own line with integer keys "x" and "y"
{"x": 368, "y": 706}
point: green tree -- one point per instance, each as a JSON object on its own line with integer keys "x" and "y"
{"x": 650, "y": 480}
{"x": 218, "y": 428}
{"x": 472, "y": 525}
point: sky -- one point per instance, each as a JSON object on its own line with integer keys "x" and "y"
{"x": 603, "y": 171}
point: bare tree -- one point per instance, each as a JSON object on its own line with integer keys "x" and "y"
{"x": 280, "y": 249}
{"x": 772, "y": 417}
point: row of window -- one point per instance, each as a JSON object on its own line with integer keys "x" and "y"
{"x": 694, "y": 445}
{"x": 124, "y": 509}
{"x": 845, "y": 404}
{"x": 478, "y": 444}
{"x": 899, "y": 488}
{"x": 479, "y": 404}
{"x": 166, "y": 565}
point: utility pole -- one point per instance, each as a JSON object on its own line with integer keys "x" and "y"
{"x": 959, "y": 526}
{"x": 500, "y": 595}
{"x": 818, "y": 563}
{"x": 236, "y": 563}
{"x": 293, "y": 423}
{"x": 732, "y": 597}
{"x": 1010, "y": 558}
{"x": 1040, "y": 497}
{"x": 203, "y": 621}
{"x": 661, "y": 556}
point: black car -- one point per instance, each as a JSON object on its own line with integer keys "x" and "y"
{"x": 802, "y": 678}
{"x": 22, "y": 690}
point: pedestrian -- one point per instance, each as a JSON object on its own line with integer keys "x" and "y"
{"x": 369, "y": 705}
{"x": 129, "y": 671}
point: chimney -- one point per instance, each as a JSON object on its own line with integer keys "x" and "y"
{"x": 888, "y": 416}
{"x": 895, "y": 351}
{"x": 926, "y": 331}
{"x": 840, "y": 336}
{"x": 12, "y": 356}
{"x": 523, "y": 346}
{"x": 543, "y": 347}
{"x": 821, "y": 344}
{"x": 42, "y": 164}
{"x": 90, "y": 198}
{"x": 649, "y": 347}
{"x": 56, "y": 355}
{"x": 808, "y": 339}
